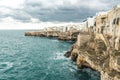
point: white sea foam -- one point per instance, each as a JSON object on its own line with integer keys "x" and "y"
{"x": 55, "y": 40}
{"x": 59, "y": 55}
{"x": 5, "y": 66}
{"x": 72, "y": 70}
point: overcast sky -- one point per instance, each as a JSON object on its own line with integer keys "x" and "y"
{"x": 40, "y": 13}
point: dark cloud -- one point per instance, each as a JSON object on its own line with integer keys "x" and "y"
{"x": 67, "y": 12}
{"x": 62, "y": 14}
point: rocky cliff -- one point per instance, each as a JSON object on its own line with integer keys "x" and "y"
{"x": 89, "y": 51}
{"x": 93, "y": 53}
{"x": 65, "y": 36}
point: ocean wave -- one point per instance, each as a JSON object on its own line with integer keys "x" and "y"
{"x": 59, "y": 55}
{"x": 55, "y": 40}
{"x": 5, "y": 66}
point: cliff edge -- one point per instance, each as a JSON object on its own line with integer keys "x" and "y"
{"x": 92, "y": 52}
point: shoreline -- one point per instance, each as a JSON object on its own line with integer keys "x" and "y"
{"x": 63, "y": 36}
{"x": 87, "y": 51}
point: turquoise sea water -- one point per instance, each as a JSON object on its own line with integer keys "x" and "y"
{"x": 35, "y": 58}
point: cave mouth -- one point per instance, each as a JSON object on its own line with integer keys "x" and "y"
{"x": 86, "y": 65}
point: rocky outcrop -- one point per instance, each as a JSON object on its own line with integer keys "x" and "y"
{"x": 67, "y": 54}
{"x": 37, "y": 33}
{"x": 93, "y": 53}
{"x": 64, "y": 36}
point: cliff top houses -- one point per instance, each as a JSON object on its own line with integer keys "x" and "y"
{"x": 106, "y": 26}
{"x": 64, "y": 28}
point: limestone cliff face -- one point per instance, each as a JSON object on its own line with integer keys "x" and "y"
{"x": 94, "y": 54}
{"x": 65, "y": 36}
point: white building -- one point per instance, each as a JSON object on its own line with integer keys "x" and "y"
{"x": 89, "y": 22}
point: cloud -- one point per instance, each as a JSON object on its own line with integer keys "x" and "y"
{"x": 29, "y": 11}
{"x": 12, "y": 3}
{"x": 65, "y": 10}
{"x": 34, "y": 20}
{"x": 9, "y": 20}
{"x": 11, "y": 23}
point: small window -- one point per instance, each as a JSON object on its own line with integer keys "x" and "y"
{"x": 95, "y": 24}
{"x": 114, "y": 21}
{"x": 117, "y": 22}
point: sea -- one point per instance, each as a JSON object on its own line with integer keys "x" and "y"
{"x": 38, "y": 58}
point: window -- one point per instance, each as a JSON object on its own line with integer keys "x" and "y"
{"x": 103, "y": 20}
{"x": 116, "y": 21}
{"x": 95, "y": 24}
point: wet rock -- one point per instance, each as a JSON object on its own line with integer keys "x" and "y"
{"x": 67, "y": 54}
{"x": 74, "y": 56}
